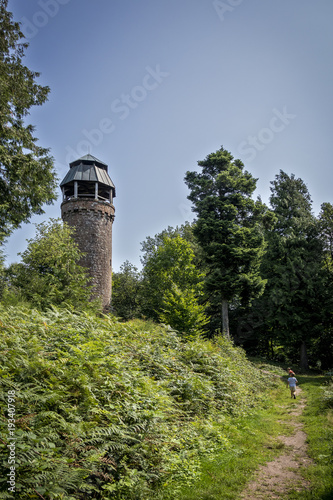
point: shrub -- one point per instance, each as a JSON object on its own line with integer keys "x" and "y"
{"x": 50, "y": 273}
{"x": 328, "y": 395}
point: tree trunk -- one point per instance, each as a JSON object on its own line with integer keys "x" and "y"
{"x": 225, "y": 319}
{"x": 304, "y": 356}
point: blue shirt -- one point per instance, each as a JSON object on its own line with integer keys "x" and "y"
{"x": 292, "y": 381}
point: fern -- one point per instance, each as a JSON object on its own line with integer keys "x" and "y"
{"x": 110, "y": 410}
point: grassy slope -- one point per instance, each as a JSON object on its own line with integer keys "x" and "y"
{"x": 125, "y": 411}
{"x": 226, "y": 474}
{"x": 255, "y": 441}
{"x": 114, "y": 410}
{"x": 318, "y": 425}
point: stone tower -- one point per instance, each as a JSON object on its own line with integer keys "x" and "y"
{"x": 87, "y": 206}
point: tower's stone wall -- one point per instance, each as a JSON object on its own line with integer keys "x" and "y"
{"x": 92, "y": 221}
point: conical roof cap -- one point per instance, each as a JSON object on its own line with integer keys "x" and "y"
{"x": 88, "y": 169}
{"x": 89, "y": 159}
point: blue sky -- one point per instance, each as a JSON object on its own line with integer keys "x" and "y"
{"x": 151, "y": 87}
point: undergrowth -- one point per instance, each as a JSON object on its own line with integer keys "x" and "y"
{"x": 110, "y": 410}
{"x": 255, "y": 440}
{"x": 318, "y": 425}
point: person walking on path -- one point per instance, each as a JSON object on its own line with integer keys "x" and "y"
{"x": 292, "y": 381}
{"x": 291, "y": 373}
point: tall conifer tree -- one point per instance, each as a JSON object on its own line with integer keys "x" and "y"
{"x": 325, "y": 220}
{"x": 228, "y": 228}
{"x": 293, "y": 302}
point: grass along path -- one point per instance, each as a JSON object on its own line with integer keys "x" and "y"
{"x": 279, "y": 477}
{"x": 283, "y": 451}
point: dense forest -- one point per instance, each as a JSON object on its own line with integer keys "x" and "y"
{"x": 127, "y": 403}
{"x": 265, "y": 271}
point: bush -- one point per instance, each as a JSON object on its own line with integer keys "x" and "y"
{"x": 50, "y": 273}
{"x": 126, "y": 292}
{"x": 328, "y": 395}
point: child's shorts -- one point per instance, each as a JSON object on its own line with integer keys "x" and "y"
{"x": 293, "y": 389}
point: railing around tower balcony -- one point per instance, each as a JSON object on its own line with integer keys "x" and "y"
{"x": 98, "y": 193}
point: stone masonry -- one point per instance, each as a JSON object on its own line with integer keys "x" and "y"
{"x": 92, "y": 221}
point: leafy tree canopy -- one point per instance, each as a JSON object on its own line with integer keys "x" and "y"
{"x": 49, "y": 274}
{"x": 172, "y": 285}
{"x": 27, "y": 178}
{"x": 126, "y": 287}
{"x": 151, "y": 243}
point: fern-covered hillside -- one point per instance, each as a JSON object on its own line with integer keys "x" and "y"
{"x": 112, "y": 410}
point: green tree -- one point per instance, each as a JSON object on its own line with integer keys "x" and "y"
{"x": 27, "y": 178}
{"x": 325, "y": 219}
{"x": 324, "y": 344}
{"x": 49, "y": 273}
{"x": 182, "y": 311}
{"x": 151, "y": 243}
{"x": 295, "y": 301}
{"x": 126, "y": 287}
{"x": 228, "y": 228}
{"x": 173, "y": 286}
{"x": 2, "y": 273}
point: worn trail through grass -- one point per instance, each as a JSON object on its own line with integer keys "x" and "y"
{"x": 281, "y": 476}
{"x": 283, "y": 450}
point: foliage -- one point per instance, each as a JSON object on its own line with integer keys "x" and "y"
{"x": 228, "y": 228}
{"x": 27, "y": 178}
{"x": 111, "y": 410}
{"x": 318, "y": 425}
{"x": 49, "y": 273}
{"x": 328, "y": 395}
{"x": 325, "y": 224}
{"x": 2, "y": 273}
{"x": 185, "y": 231}
{"x": 297, "y": 297}
{"x": 182, "y": 311}
{"x": 256, "y": 441}
{"x": 172, "y": 285}
{"x": 126, "y": 291}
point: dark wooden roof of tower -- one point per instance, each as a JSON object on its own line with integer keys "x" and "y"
{"x": 88, "y": 168}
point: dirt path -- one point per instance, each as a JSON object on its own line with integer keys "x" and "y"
{"x": 282, "y": 475}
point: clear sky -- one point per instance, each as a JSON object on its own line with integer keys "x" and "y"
{"x": 151, "y": 87}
